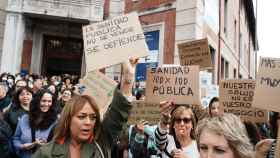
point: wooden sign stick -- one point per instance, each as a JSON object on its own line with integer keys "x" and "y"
{"x": 277, "y": 150}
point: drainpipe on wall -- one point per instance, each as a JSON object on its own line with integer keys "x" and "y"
{"x": 219, "y": 45}
{"x": 238, "y": 68}
{"x": 256, "y": 41}
{"x": 249, "y": 56}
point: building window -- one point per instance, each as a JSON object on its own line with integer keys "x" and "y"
{"x": 235, "y": 32}
{"x": 234, "y": 72}
{"x": 152, "y": 60}
{"x": 213, "y": 54}
{"x": 222, "y": 68}
{"x": 226, "y": 69}
{"x": 225, "y": 16}
{"x": 213, "y": 57}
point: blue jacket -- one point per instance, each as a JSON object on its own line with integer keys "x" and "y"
{"x": 23, "y": 135}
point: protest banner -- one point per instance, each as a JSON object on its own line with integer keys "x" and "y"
{"x": 195, "y": 53}
{"x": 144, "y": 111}
{"x": 113, "y": 41}
{"x": 236, "y": 97}
{"x": 100, "y": 87}
{"x": 268, "y": 85}
{"x": 180, "y": 83}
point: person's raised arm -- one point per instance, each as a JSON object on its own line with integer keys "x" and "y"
{"x": 162, "y": 130}
{"x": 117, "y": 114}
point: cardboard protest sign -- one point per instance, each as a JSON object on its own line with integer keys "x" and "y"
{"x": 195, "y": 53}
{"x": 100, "y": 87}
{"x": 180, "y": 83}
{"x": 268, "y": 85}
{"x": 144, "y": 111}
{"x": 113, "y": 41}
{"x": 236, "y": 97}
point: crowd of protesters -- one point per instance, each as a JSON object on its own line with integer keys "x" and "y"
{"x": 30, "y": 106}
{"x": 48, "y": 117}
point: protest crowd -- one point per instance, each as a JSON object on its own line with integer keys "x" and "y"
{"x": 61, "y": 116}
{"x": 48, "y": 117}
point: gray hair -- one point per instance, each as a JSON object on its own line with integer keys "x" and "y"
{"x": 231, "y": 127}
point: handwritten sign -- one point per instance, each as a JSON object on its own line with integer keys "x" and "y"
{"x": 268, "y": 85}
{"x": 236, "y": 97}
{"x": 180, "y": 83}
{"x": 144, "y": 111}
{"x": 113, "y": 41}
{"x": 195, "y": 53}
{"x": 100, "y": 87}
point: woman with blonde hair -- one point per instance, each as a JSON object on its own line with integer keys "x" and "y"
{"x": 223, "y": 137}
{"x": 179, "y": 139}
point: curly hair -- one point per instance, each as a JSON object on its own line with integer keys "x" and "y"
{"x": 39, "y": 119}
{"x": 231, "y": 127}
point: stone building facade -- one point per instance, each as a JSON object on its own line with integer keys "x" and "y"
{"x": 44, "y": 36}
{"x": 229, "y": 27}
{"x": 3, "y": 4}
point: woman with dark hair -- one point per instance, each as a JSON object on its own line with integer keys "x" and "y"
{"x": 214, "y": 107}
{"x": 180, "y": 141}
{"x": 20, "y": 106}
{"x": 67, "y": 82}
{"x": 35, "y": 129}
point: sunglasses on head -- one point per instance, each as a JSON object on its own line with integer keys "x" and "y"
{"x": 185, "y": 120}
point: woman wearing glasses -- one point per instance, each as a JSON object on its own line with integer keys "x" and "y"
{"x": 80, "y": 133}
{"x": 177, "y": 141}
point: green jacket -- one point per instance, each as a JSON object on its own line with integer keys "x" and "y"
{"x": 114, "y": 119}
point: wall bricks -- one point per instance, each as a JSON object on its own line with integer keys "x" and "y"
{"x": 142, "y": 5}
{"x": 168, "y": 17}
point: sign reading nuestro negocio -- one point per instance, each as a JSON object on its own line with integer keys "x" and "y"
{"x": 236, "y": 96}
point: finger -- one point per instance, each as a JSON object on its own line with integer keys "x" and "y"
{"x": 133, "y": 60}
{"x": 146, "y": 122}
{"x": 142, "y": 121}
{"x": 163, "y": 103}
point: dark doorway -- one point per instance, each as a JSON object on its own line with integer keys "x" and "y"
{"x": 62, "y": 55}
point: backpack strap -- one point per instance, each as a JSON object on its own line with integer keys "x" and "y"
{"x": 166, "y": 152}
{"x": 99, "y": 148}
